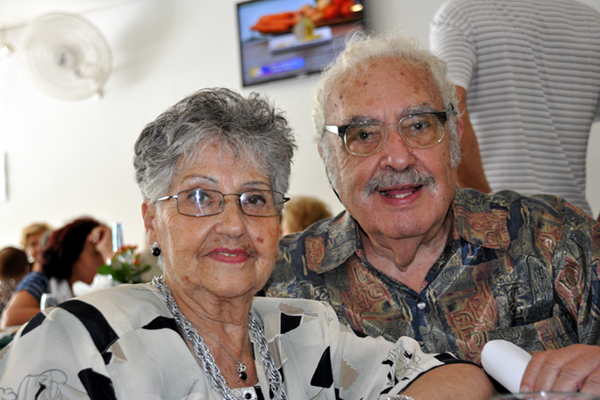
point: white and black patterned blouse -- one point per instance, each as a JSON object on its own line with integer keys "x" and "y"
{"x": 122, "y": 343}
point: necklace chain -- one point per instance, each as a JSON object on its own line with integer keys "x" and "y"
{"x": 239, "y": 365}
{"x": 203, "y": 353}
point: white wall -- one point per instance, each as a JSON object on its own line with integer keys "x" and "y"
{"x": 67, "y": 159}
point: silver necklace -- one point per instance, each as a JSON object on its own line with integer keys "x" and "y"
{"x": 203, "y": 353}
{"x": 239, "y": 365}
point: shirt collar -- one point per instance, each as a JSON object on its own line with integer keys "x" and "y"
{"x": 476, "y": 220}
{"x": 342, "y": 241}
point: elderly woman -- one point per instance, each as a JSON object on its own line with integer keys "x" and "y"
{"x": 213, "y": 170}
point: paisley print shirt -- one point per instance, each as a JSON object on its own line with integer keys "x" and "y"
{"x": 523, "y": 269}
{"x": 123, "y": 343}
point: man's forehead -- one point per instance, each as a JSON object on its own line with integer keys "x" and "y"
{"x": 383, "y": 83}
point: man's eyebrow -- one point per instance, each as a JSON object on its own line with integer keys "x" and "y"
{"x": 363, "y": 119}
{"x": 359, "y": 119}
{"x": 420, "y": 108}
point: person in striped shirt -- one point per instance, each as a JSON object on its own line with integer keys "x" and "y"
{"x": 527, "y": 75}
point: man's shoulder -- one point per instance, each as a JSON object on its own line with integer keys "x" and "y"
{"x": 476, "y": 200}
{"x": 506, "y": 205}
{"x": 325, "y": 244}
{"x": 499, "y": 220}
{"x": 330, "y": 233}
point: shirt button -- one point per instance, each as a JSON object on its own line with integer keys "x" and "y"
{"x": 421, "y": 305}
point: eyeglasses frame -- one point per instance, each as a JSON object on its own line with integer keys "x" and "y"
{"x": 442, "y": 116}
{"x": 176, "y": 197}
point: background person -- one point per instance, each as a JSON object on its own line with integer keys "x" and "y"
{"x": 213, "y": 170}
{"x": 528, "y": 80}
{"x": 416, "y": 256}
{"x": 13, "y": 267}
{"x": 301, "y": 212}
{"x": 32, "y": 241}
{"x": 73, "y": 253}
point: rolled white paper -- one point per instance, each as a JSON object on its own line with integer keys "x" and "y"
{"x": 505, "y": 362}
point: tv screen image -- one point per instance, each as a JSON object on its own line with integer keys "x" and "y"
{"x": 281, "y": 39}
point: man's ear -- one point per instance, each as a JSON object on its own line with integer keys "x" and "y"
{"x": 149, "y": 215}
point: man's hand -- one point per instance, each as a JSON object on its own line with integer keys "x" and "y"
{"x": 570, "y": 369}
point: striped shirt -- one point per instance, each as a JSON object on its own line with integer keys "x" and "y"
{"x": 532, "y": 74}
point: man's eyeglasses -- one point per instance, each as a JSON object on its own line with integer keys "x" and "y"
{"x": 418, "y": 130}
{"x": 205, "y": 202}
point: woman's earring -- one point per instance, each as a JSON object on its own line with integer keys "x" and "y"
{"x": 155, "y": 249}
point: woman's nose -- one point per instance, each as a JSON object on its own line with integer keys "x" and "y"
{"x": 231, "y": 219}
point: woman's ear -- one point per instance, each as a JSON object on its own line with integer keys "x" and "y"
{"x": 148, "y": 214}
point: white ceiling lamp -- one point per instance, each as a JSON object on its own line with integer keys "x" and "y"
{"x": 66, "y": 56}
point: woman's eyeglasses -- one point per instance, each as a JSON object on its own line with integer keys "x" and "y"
{"x": 205, "y": 202}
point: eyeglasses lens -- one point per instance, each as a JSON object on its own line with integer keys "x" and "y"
{"x": 364, "y": 139}
{"x": 199, "y": 202}
{"x": 261, "y": 202}
{"x": 204, "y": 202}
{"x": 421, "y": 130}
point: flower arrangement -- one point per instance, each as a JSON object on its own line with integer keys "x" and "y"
{"x": 125, "y": 266}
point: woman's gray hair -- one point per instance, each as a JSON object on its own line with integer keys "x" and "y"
{"x": 250, "y": 129}
{"x": 362, "y": 47}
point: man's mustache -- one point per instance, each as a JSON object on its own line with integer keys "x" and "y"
{"x": 392, "y": 178}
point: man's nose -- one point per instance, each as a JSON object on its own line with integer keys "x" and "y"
{"x": 395, "y": 152}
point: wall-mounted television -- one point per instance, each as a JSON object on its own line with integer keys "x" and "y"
{"x": 281, "y": 39}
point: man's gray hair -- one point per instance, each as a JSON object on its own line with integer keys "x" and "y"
{"x": 250, "y": 129}
{"x": 360, "y": 49}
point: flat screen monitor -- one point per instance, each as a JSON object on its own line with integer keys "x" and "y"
{"x": 282, "y": 39}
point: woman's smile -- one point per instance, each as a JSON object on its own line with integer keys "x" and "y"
{"x": 233, "y": 256}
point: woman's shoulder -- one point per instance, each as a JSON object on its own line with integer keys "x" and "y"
{"x": 123, "y": 309}
{"x": 35, "y": 283}
{"x": 264, "y": 306}
{"x": 34, "y": 277}
{"x": 126, "y": 300}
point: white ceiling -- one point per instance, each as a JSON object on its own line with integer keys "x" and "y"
{"x": 17, "y": 13}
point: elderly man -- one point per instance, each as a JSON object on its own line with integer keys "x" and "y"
{"x": 413, "y": 254}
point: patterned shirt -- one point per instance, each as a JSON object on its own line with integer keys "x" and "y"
{"x": 522, "y": 269}
{"x": 7, "y": 288}
{"x": 123, "y": 343}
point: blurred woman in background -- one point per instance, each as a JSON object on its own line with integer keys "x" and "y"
{"x": 301, "y": 212}
{"x": 13, "y": 267}
{"x": 73, "y": 253}
{"x": 33, "y": 238}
